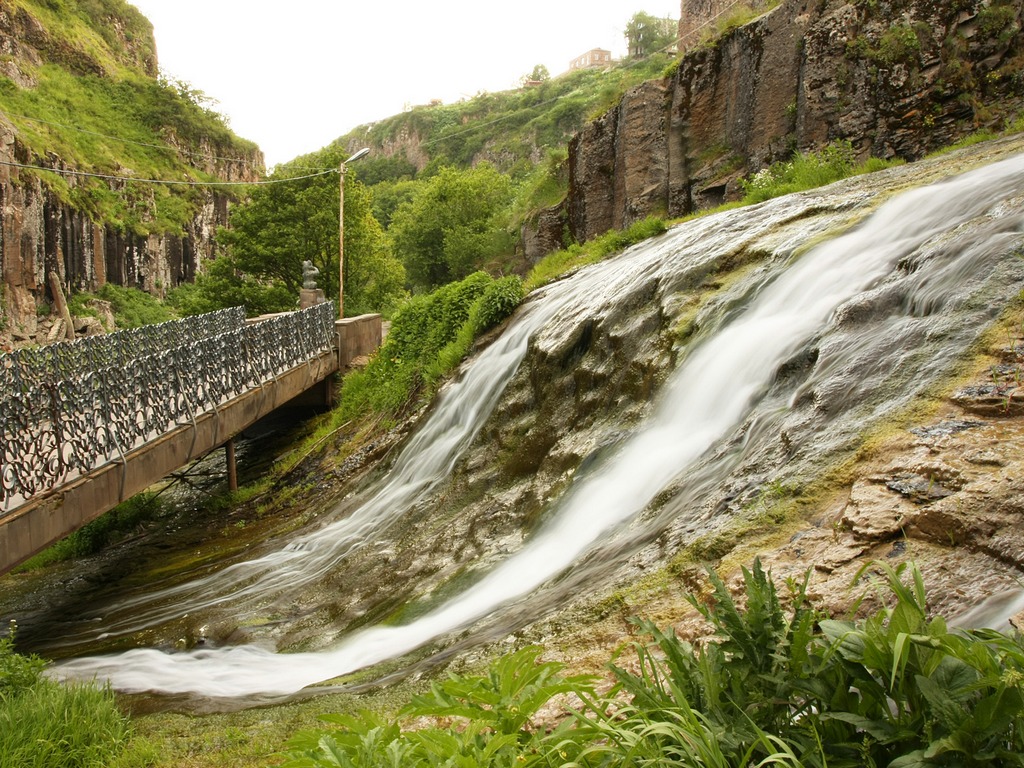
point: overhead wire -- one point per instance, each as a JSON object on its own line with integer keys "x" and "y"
{"x": 168, "y": 182}
{"x": 163, "y": 147}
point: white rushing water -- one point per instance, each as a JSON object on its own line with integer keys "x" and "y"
{"x": 711, "y": 392}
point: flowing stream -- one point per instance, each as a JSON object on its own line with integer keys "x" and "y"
{"x": 927, "y": 246}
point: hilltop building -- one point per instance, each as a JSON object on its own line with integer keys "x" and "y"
{"x": 596, "y": 57}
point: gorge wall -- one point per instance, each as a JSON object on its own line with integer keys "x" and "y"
{"x": 50, "y": 223}
{"x": 895, "y": 78}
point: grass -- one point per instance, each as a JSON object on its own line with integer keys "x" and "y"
{"x": 808, "y": 171}
{"x": 94, "y": 107}
{"x": 98, "y": 534}
{"x": 134, "y": 308}
{"x": 53, "y": 725}
{"x": 560, "y": 263}
{"x": 46, "y": 724}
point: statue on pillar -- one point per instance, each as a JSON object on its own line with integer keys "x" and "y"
{"x": 309, "y": 273}
{"x": 310, "y": 294}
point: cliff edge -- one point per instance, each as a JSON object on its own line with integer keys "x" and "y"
{"x": 86, "y": 123}
{"x": 896, "y": 79}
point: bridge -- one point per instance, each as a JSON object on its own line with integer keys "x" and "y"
{"x": 85, "y": 425}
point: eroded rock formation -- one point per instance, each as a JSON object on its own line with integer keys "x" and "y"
{"x": 896, "y": 79}
{"x": 45, "y": 230}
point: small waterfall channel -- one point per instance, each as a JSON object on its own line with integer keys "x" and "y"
{"x": 799, "y": 351}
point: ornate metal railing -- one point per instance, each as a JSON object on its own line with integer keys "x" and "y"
{"x": 68, "y": 408}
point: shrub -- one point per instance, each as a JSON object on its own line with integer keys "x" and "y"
{"x": 429, "y": 336}
{"x": 134, "y": 308}
{"x": 498, "y": 302}
{"x": 899, "y": 44}
{"x": 783, "y": 685}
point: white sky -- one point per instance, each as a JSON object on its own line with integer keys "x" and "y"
{"x": 293, "y": 76}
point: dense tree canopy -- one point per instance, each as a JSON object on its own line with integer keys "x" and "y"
{"x": 450, "y": 226}
{"x": 284, "y": 224}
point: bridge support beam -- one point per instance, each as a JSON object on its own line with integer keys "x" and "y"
{"x": 229, "y": 455}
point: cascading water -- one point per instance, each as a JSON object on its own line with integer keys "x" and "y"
{"x": 919, "y": 254}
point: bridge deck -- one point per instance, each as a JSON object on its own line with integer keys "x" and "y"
{"x": 87, "y": 424}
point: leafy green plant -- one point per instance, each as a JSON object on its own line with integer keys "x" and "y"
{"x": 902, "y": 690}
{"x": 491, "y": 719}
{"x": 506, "y": 698}
{"x": 807, "y": 171}
{"x": 498, "y": 302}
{"x": 731, "y": 689}
{"x": 782, "y": 684}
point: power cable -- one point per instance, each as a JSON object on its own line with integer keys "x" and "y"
{"x": 168, "y": 182}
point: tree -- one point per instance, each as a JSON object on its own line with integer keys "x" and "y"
{"x": 540, "y": 74}
{"x": 453, "y": 224}
{"x": 646, "y": 34}
{"x": 224, "y": 285}
{"x": 288, "y": 222}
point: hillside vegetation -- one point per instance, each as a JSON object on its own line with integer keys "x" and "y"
{"x": 81, "y": 92}
{"x": 512, "y": 129}
{"x": 442, "y": 195}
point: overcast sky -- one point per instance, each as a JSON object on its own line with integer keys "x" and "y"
{"x": 293, "y": 76}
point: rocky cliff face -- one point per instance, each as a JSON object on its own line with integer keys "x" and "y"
{"x": 41, "y": 234}
{"x": 896, "y": 78}
{"x": 48, "y": 223}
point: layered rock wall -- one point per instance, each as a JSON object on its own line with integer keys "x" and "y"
{"x": 42, "y": 233}
{"x": 896, "y": 79}
{"x": 50, "y": 222}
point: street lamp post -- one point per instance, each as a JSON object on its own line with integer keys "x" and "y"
{"x": 341, "y": 227}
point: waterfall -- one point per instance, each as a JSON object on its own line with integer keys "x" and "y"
{"x": 720, "y": 384}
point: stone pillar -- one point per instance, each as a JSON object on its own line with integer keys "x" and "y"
{"x": 310, "y": 296}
